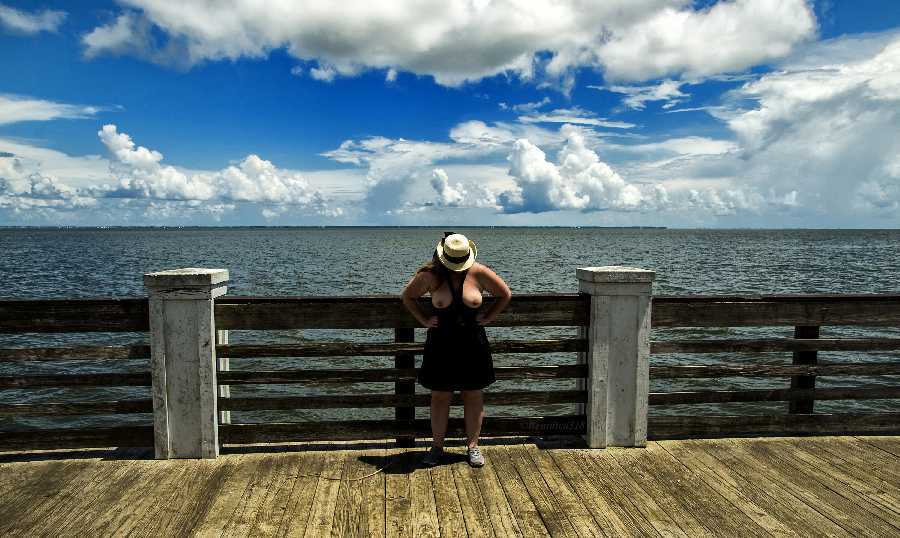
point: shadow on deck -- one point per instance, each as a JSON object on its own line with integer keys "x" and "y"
{"x": 727, "y": 487}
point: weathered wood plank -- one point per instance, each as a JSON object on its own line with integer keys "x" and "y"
{"x": 581, "y": 518}
{"x": 383, "y": 311}
{"x": 447, "y": 502}
{"x": 74, "y": 315}
{"x": 373, "y": 496}
{"x": 190, "y": 501}
{"x": 377, "y": 349}
{"x": 298, "y": 510}
{"x": 424, "y": 510}
{"x": 859, "y": 452}
{"x": 321, "y": 518}
{"x": 667, "y": 500}
{"x": 381, "y": 375}
{"x": 75, "y": 353}
{"x": 263, "y": 516}
{"x": 113, "y": 520}
{"x": 80, "y": 380}
{"x": 122, "y": 436}
{"x": 474, "y": 511}
{"x": 774, "y": 370}
{"x": 852, "y": 517}
{"x": 30, "y": 504}
{"x": 382, "y": 429}
{"x": 552, "y": 514}
{"x": 886, "y": 444}
{"x": 764, "y": 345}
{"x": 526, "y": 514}
{"x": 397, "y": 495}
{"x": 844, "y": 474}
{"x": 613, "y": 518}
{"x": 359, "y": 506}
{"x": 79, "y": 408}
{"x": 503, "y": 521}
{"x": 699, "y": 474}
{"x": 762, "y": 492}
{"x": 794, "y": 486}
{"x": 773, "y": 395}
{"x": 622, "y": 486}
{"x": 774, "y": 310}
{"x": 702, "y": 507}
{"x": 685, "y": 427}
{"x": 391, "y": 400}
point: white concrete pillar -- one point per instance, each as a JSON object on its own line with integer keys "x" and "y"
{"x": 183, "y": 361}
{"x": 618, "y": 354}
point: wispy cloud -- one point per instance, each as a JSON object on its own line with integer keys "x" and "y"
{"x": 574, "y": 115}
{"x": 15, "y": 20}
{"x": 636, "y": 97}
{"x": 17, "y": 108}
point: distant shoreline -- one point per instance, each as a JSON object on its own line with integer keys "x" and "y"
{"x": 398, "y": 227}
{"x": 313, "y": 227}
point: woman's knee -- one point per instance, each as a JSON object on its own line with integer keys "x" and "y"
{"x": 472, "y": 395}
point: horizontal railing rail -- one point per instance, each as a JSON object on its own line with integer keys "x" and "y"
{"x": 372, "y": 312}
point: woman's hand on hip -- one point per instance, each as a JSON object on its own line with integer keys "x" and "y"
{"x": 430, "y": 322}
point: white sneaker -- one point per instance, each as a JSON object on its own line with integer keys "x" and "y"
{"x": 475, "y": 457}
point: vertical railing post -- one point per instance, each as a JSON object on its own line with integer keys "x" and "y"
{"x": 406, "y": 413}
{"x": 808, "y": 382}
{"x": 183, "y": 361}
{"x": 224, "y": 365}
{"x": 618, "y": 354}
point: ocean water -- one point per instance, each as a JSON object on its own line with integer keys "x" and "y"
{"x": 68, "y": 263}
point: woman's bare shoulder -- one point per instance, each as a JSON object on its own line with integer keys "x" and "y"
{"x": 489, "y": 279}
{"x": 426, "y": 278}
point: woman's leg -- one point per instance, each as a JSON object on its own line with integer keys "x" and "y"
{"x": 440, "y": 414}
{"x": 473, "y": 400}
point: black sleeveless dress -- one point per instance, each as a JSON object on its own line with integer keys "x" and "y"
{"x": 457, "y": 354}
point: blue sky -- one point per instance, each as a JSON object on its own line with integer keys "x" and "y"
{"x": 757, "y": 113}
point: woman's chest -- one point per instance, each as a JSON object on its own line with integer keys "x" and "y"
{"x": 442, "y": 296}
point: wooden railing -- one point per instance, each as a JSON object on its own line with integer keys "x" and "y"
{"x": 537, "y": 310}
{"x": 380, "y": 312}
{"x": 71, "y": 316}
{"x": 806, "y": 313}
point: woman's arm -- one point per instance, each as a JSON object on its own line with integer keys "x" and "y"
{"x": 418, "y": 286}
{"x": 498, "y": 288}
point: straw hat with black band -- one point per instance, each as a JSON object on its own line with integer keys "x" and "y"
{"x": 456, "y": 252}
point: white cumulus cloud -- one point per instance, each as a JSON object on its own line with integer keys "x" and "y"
{"x": 579, "y": 181}
{"x": 729, "y": 36}
{"x": 140, "y": 174}
{"x": 829, "y": 129}
{"x": 456, "y": 41}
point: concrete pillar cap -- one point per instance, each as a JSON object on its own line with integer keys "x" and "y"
{"x": 187, "y": 277}
{"x": 617, "y": 274}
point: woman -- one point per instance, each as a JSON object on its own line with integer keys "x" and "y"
{"x": 457, "y": 354}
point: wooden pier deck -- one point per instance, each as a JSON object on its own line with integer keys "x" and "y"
{"x": 809, "y": 486}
